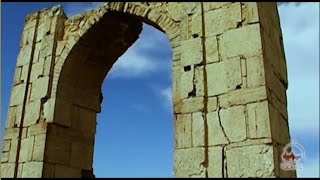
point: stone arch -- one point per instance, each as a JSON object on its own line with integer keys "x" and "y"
{"x": 229, "y": 87}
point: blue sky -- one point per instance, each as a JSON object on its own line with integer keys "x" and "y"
{"x": 135, "y": 133}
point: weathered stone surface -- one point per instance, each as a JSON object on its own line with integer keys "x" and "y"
{"x": 6, "y": 145}
{"x": 198, "y": 81}
{"x": 24, "y": 55}
{"x": 32, "y": 169}
{"x": 37, "y": 70}
{"x": 13, "y": 150}
{"x": 255, "y": 71}
{"x": 39, "y": 147}
{"x": 244, "y": 41}
{"x": 191, "y": 52}
{"x": 219, "y": 20}
{"x": 212, "y": 52}
{"x": 198, "y": 131}
{"x": 39, "y": 128}
{"x": 216, "y": 135}
{"x": 39, "y": 88}
{"x": 7, "y": 170}
{"x": 188, "y": 162}
{"x": 258, "y": 120}
{"x": 249, "y": 12}
{"x": 182, "y": 126}
{"x": 223, "y": 76}
{"x": 207, "y": 6}
{"x": 17, "y": 94}
{"x": 26, "y": 149}
{"x": 32, "y": 113}
{"x": 215, "y": 162}
{"x": 234, "y": 117}
{"x": 17, "y": 74}
{"x": 4, "y": 157}
{"x": 186, "y": 82}
{"x": 85, "y": 151}
{"x": 190, "y": 105}
{"x": 212, "y": 104}
{"x": 250, "y": 161}
{"x": 57, "y": 150}
{"x": 243, "y": 96}
{"x": 66, "y": 172}
{"x": 11, "y": 133}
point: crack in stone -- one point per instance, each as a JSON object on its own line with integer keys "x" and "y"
{"x": 222, "y": 128}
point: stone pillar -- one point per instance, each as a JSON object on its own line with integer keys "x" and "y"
{"x": 25, "y": 134}
{"x": 230, "y": 104}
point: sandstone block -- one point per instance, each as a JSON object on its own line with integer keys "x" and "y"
{"x": 13, "y": 150}
{"x": 6, "y": 145}
{"x": 36, "y": 71}
{"x": 223, "y": 76}
{"x": 250, "y": 12}
{"x": 243, "y": 96}
{"x": 234, "y": 117}
{"x": 215, "y": 162}
{"x": 244, "y": 41}
{"x": 188, "y": 162}
{"x": 191, "y": 52}
{"x": 26, "y": 149}
{"x": 259, "y": 120}
{"x": 207, "y": 6}
{"x": 39, "y": 147}
{"x": 190, "y": 105}
{"x": 186, "y": 82}
{"x": 57, "y": 150}
{"x": 216, "y": 135}
{"x": 198, "y": 132}
{"x": 66, "y": 172}
{"x": 255, "y": 71}
{"x": 4, "y": 157}
{"x": 17, "y": 94}
{"x": 32, "y": 169}
{"x": 7, "y": 170}
{"x": 24, "y": 55}
{"x": 250, "y": 161}
{"x": 219, "y": 20}
{"x": 199, "y": 81}
{"x": 183, "y": 131}
{"x": 212, "y": 52}
{"x": 85, "y": 151}
{"x": 39, "y": 88}
{"x": 32, "y": 113}
{"x": 212, "y": 104}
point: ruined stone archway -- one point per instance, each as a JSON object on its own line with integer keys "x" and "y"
{"x": 229, "y": 87}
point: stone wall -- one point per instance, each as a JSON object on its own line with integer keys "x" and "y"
{"x": 229, "y": 87}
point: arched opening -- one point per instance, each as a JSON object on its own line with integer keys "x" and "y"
{"x": 80, "y": 89}
{"x": 134, "y": 136}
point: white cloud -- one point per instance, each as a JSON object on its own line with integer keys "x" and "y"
{"x": 164, "y": 94}
{"x": 151, "y": 53}
{"x": 167, "y": 95}
{"x": 132, "y": 65}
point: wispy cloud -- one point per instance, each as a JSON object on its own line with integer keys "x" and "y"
{"x": 163, "y": 94}
{"x": 151, "y": 53}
